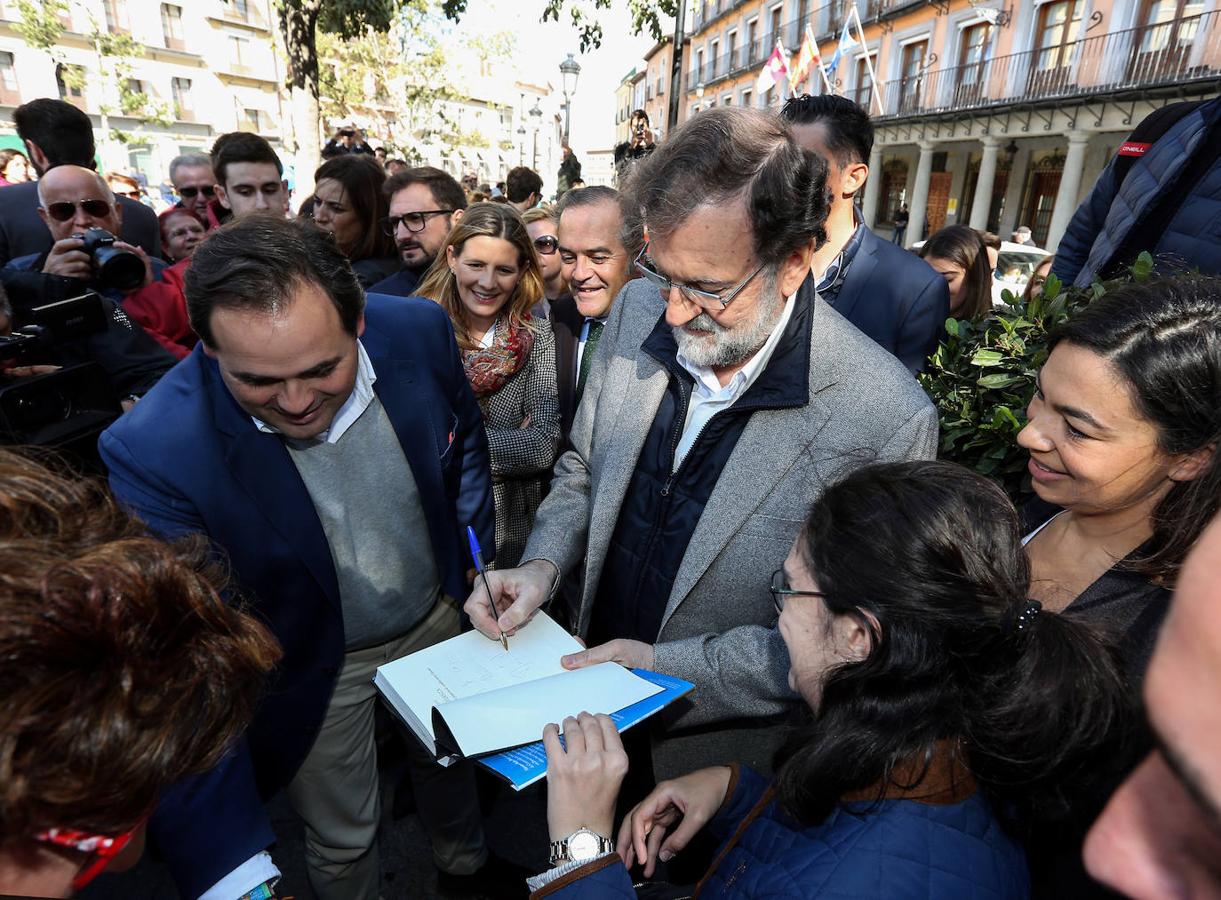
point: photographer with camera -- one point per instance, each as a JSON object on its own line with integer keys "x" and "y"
{"x": 82, "y": 216}
{"x": 347, "y": 139}
{"x": 639, "y": 144}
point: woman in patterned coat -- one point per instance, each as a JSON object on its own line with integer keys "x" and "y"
{"x": 487, "y": 279}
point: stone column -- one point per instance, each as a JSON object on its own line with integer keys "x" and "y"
{"x": 983, "y": 185}
{"x": 873, "y": 187}
{"x": 918, "y": 207}
{"x": 1070, "y": 186}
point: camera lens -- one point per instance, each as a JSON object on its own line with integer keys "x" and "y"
{"x": 118, "y": 269}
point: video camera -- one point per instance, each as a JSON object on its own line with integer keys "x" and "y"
{"x": 66, "y": 408}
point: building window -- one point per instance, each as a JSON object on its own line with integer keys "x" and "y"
{"x": 752, "y": 41}
{"x": 250, "y": 121}
{"x": 699, "y": 66}
{"x": 180, "y": 89}
{"x": 70, "y": 80}
{"x": 171, "y": 26}
{"x": 911, "y": 75}
{"x": 9, "y": 91}
{"x": 972, "y": 58}
{"x": 864, "y": 84}
{"x": 116, "y": 16}
{"x": 746, "y": 98}
{"x": 1059, "y": 24}
{"x": 732, "y": 52}
{"x": 239, "y": 50}
{"x": 1167, "y": 29}
{"x": 239, "y": 8}
{"x": 774, "y": 30}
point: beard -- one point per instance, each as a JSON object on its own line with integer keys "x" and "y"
{"x": 705, "y": 342}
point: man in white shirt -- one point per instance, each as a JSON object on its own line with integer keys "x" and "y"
{"x": 723, "y": 397}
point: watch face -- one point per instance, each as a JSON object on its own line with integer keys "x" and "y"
{"x": 583, "y": 846}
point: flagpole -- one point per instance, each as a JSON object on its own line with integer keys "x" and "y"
{"x": 873, "y": 76}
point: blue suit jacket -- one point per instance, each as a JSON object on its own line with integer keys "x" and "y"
{"x": 401, "y": 284}
{"x": 187, "y": 458}
{"x": 896, "y": 298}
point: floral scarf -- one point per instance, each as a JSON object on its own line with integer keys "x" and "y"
{"x": 488, "y": 369}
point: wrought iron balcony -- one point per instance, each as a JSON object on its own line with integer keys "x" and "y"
{"x": 1176, "y": 52}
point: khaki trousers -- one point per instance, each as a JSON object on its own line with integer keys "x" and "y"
{"x": 336, "y": 790}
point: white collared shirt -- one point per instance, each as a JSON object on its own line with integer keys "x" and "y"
{"x": 708, "y": 397}
{"x": 358, "y": 401}
{"x": 581, "y": 345}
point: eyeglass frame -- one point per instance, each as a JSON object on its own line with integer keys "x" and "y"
{"x": 390, "y": 224}
{"x": 555, "y": 244}
{"x": 78, "y": 204}
{"x": 692, "y": 295}
{"x": 779, "y": 593}
{"x": 100, "y": 850}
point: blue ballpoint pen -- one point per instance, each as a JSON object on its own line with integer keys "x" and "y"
{"x": 477, "y": 556}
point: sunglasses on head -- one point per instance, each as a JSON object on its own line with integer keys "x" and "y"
{"x": 66, "y": 209}
{"x": 546, "y": 244}
{"x": 190, "y": 192}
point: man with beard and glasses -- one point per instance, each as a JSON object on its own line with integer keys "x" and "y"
{"x": 713, "y": 415}
{"x": 425, "y": 203}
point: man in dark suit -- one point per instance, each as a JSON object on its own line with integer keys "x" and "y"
{"x": 597, "y": 261}
{"x": 332, "y": 448}
{"x": 893, "y": 296}
{"x": 55, "y": 134}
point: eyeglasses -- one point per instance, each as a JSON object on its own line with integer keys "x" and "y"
{"x": 702, "y": 299}
{"x": 780, "y": 589}
{"x": 64, "y": 210}
{"x": 546, "y": 244}
{"x": 189, "y": 193}
{"x": 101, "y": 849}
{"x": 412, "y": 221}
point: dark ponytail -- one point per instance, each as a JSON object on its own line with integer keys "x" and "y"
{"x": 932, "y": 553}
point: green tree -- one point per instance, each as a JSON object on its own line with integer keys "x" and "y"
{"x": 41, "y": 28}
{"x": 647, "y": 15}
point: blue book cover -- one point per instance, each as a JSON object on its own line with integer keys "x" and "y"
{"x": 524, "y": 765}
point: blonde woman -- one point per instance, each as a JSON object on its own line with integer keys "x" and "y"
{"x": 487, "y": 280}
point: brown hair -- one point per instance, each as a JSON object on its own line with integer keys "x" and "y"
{"x": 123, "y": 668}
{"x": 963, "y": 246}
{"x": 362, "y": 180}
{"x": 497, "y": 220}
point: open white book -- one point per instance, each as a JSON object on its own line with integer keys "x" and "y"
{"x": 469, "y": 696}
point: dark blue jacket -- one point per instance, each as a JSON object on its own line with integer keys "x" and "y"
{"x": 900, "y": 850}
{"x": 187, "y": 458}
{"x": 896, "y": 298}
{"x": 401, "y": 284}
{"x": 1109, "y": 214}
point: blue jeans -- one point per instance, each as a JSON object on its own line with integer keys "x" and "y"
{"x": 897, "y": 237}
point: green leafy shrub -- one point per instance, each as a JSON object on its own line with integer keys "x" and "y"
{"x": 982, "y": 376}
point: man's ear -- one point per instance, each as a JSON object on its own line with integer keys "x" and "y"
{"x": 37, "y": 157}
{"x": 455, "y": 217}
{"x": 795, "y": 268}
{"x": 856, "y": 633}
{"x": 855, "y": 176}
{"x": 1191, "y": 466}
{"x": 222, "y": 195}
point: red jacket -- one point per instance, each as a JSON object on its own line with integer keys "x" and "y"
{"x": 161, "y": 307}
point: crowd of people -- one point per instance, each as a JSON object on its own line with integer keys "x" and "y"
{"x": 680, "y": 416}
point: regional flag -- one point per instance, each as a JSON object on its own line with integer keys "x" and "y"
{"x": 846, "y": 43}
{"x": 775, "y": 70}
{"x": 804, "y": 61}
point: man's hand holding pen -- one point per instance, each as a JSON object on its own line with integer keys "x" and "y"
{"x": 507, "y": 598}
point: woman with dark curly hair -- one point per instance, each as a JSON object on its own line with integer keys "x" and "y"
{"x": 942, "y": 704}
{"x": 122, "y": 670}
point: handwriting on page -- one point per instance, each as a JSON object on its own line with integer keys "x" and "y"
{"x": 453, "y": 680}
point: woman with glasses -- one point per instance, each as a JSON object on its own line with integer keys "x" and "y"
{"x": 349, "y": 202}
{"x": 946, "y": 711}
{"x": 181, "y": 232}
{"x": 487, "y": 279}
{"x": 123, "y": 670}
{"x": 540, "y": 224}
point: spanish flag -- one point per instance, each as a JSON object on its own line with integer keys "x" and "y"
{"x": 804, "y": 61}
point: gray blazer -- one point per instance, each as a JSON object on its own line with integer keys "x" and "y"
{"x": 719, "y": 627}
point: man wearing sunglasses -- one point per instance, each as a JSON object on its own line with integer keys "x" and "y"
{"x": 191, "y": 175}
{"x": 55, "y": 134}
{"x": 723, "y": 396}
{"x": 425, "y": 203}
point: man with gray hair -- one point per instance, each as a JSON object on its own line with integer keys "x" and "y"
{"x": 193, "y": 181}
{"x": 722, "y": 398}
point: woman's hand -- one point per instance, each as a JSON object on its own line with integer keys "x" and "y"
{"x": 583, "y": 775}
{"x": 694, "y": 799}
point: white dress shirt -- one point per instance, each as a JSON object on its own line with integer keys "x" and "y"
{"x": 576, "y": 373}
{"x": 358, "y": 401}
{"x": 708, "y": 397}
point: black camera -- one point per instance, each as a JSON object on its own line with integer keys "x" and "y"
{"x": 113, "y": 267}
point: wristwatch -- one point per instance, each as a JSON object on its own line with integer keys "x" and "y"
{"x": 581, "y": 846}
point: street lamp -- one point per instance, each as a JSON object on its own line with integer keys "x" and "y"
{"x": 536, "y": 118}
{"x": 570, "y": 70}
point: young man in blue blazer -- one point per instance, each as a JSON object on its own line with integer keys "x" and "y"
{"x": 890, "y": 294}
{"x": 332, "y": 450}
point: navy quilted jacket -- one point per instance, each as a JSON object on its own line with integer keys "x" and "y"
{"x": 1109, "y": 214}
{"x": 903, "y": 850}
